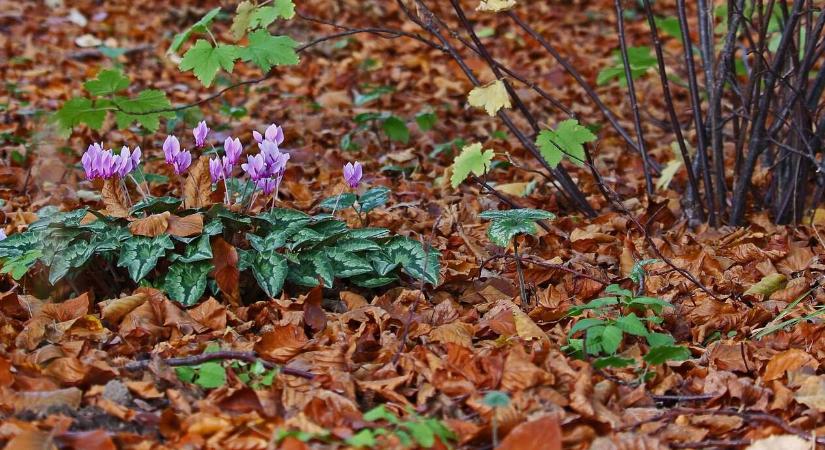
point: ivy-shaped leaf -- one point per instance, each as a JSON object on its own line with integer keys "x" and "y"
{"x": 507, "y": 224}
{"x": 240, "y": 22}
{"x": 205, "y": 60}
{"x": 200, "y": 250}
{"x": 19, "y": 265}
{"x": 198, "y": 27}
{"x": 108, "y": 81}
{"x": 139, "y": 255}
{"x": 409, "y": 253}
{"x": 266, "y": 50}
{"x": 140, "y": 108}
{"x": 264, "y": 16}
{"x": 75, "y": 255}
{"x": 338, "y": 202}
{"x": 373, "y": 198}
{"x": 566, "y": 140}
{"x": 186, "y": 282}
{"x": 270, "y": 270}
{"x": 473, "y": 159}
{"x": 80, "y": 110}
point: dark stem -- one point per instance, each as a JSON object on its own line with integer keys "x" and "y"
{"x": 249, "y": 357}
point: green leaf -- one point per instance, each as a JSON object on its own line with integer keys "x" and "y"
{"x": 496, "y": 399}
{"x": 421, "y": 433}
{"x": 205, "y": 60}
{"x": 74, "y": 256}
{"x": 471, "y": 160}
{"x": 631, "y": 324}
{"x": 338, "y": 202}
{"x": 186, "y": 373}
{"x": 640, "y": 59}
{"x": 566, "y": 140}
{"x": 611, "y": 339}
{"x": 264, "y": 16}
{"x": 270, "y": 270}
{"x": 139, "y": 255}
{"x": 409, "y": 253}
{"x": 141, "y": 107}
{"x": 613, "y": 361}
{"x": 584, "y": 324}
{"x": 768, "y": 285}
{"x": 396, "y": 129}
{"x": 107, "y": 82}
{"x": 198, "y": 27}
{"x": 381, "y": 412}
{"x": 426, "y": 121}
{"x": 80, "y": 110}
{"x": 659, "y": 339}
{"x": 155, "y": 205}
{"x": 671, "y": 26}
{"x": 638, "y": 270}
{"x": 240, "y": 23}
{"x": 18, "y": 266}
{"x": 373, "y": 198}
{"x": 664, "y": 353}
{"x": 211, "y": 375}
{"x": 363, "y": 438}
{"x": 200, "y": 250}
{"x": 186, "y": 282}
{"x": 509, "y": 223}
{"x": 266, "y": 50}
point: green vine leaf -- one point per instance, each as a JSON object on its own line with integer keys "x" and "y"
{"x": 108, "y": 81}
{"x": 198, "y": 27}
{"x": 139, "y": 255}
{"x": 265, "y": 15}
{"x": 473, "y": 159}
{"x": 566, "y": 140}
{"x": 205, "y": 60}
{"x": 240, "y": 23}
{"x": 140, "y": 109}
{"x": 79, "y": 110}
{"x": 186, "y": 282}
{"x": 507, "y": 224}
{"x": 266, "y": 50}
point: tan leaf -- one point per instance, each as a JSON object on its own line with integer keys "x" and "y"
{"x": 198, "y": 185}
{"x": 32, "y": 440}
{"x": 151, "y": 226}
{"x": 115, "y": 309}
{"x": 190, "y": 225}
{"x": 812, "y": 393}
{"x": 115, "y": 199}
{"x": 458, "y": 333}
{"x": 40, "y": 401}
{"x": 210, "y": 313}
{"x": 789, "y": 360}
{"x": 67, "y": 310}
{"x": 495, "y": 5}
{"x": 514, "y": 189}
{"x": 783, "y": 441}
{"x": 768, "y": 285}
{"x": 492, "y": 97}
{"x": 541, "y": 434}
{"x": 281, "y": 344}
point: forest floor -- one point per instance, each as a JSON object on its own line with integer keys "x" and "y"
{"x": 71, "y": 374}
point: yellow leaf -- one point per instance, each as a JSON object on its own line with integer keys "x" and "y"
{"x": 514, "y": 189}
{"x": 667, "y": 174}
{"x": 768, "y": 285}
{"x": 491, "y": 97}
{"x": 495, "y": 5}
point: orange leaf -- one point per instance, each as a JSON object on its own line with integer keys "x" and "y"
{"x": 314, "y": 315}
{"x": 198, "y": 185}
{"x": 115, "y": 199}
{"x": 186, "y": 226}
{"x": 227, "y": 275}
{"x": 540, "y": 434}
{"x": 151, "y": 226}
{"x": 114, "y": 310}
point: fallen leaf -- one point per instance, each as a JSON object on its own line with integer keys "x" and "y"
{"x": 768, "y": 285}
{"x": 114, "y": 199}
{"x": 198, "y": 185}
{"x": 811, "y": 393}
{"x": 492, "y": 97}
{"x": 190, "y": 225}
{"x": 114, "y": 310}
{"x": 151, "y": 226}
{"x": 787, "y": 361}
{"x": 540, "y": 434}
{"x": 781, "y": 442}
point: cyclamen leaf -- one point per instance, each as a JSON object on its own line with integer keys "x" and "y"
{"x": 270, "y": 270}
{"x": 507, "y": 224}
{"x": 339, "y": 202}
{"x": 495, "y": 5}
{"x": 492, "y": 97}
{"x": 473, "y": 159}
{"x": 107, "y": 82}
{"x": 198, "y": 27}
{"x": 80, "y": 110}
{"x": 205, "y": 60}
{"x": 373, "y": 198}
{"x": 567, "y": 139}
{"x": 75, "y": 255}
{"x": 266, "y": 50}
{"x": 139, "y": 255}
{"x": 186, "y": 282}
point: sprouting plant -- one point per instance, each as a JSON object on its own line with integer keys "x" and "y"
{"x": 615, "y": 317}
{"x": 495, "y": 400}
{"x": 506, "y": 226}
{"x": 383, "y": 123}
{"x": 412, "y": 431}
{"x": 641, "y": 61}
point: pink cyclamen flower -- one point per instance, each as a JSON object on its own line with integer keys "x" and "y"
{"x": 200, "y": 132}
{"x": 171, "y": 149}
{"x": 267, "y": 185}
{"x": 90, "y": 160}
{"x": 275, "y": 159}
{"x": 255, "y": 167}
{"x": 3, "y": 234}
{"x": 182, "y": 162}
{"x": 220, "y": 169}
{"x": 233, "y": 149}
{"x": 353, "y": 174}
{"x": 273, "y": 133}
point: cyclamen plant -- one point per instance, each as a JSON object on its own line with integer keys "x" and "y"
{"x": 190, "y": 244}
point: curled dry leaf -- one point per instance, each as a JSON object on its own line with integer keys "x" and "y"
{"x": 114, "y": 310}
{"x": 198, "y": 185}
{"x": 227, "y": 275}
{"x": 543, "y": 433}
{"x": 190, "y": 225}
{"x": 788, "y": 361}
{"x": 114, "y": 199}
{"x": 151, "y": 226}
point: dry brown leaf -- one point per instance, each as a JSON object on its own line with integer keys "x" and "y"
{"x": 314, "y": 315}
{"x": 781, "y": 442}
{"x": 787, "y": 361}
{"x": 40, "y": 401}
{"x": 87, "y": 440}
{"x": 210, "y": 313}
{"x": 198, "y": 185}
{"x": 151, "y": 226}
{"x": 281, "y": 344}
{"x": 190, "y": 225}
{"x": 32, "y": 440}
{"x": 540, "y": 434}
{"x": 114, "y": 199}
{"x": 458, "y": 333}
{"x": 114, "y": 310}
{"x": 811, "y": 393}
{"x": 226, "y": 273}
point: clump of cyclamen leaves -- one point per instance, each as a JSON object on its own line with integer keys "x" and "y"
{"x": 192, "y": 245}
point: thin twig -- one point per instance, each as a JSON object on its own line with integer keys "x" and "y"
{"x": 249, "y": 357}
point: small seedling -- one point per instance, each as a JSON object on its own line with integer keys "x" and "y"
{"x": 495, "y": 400}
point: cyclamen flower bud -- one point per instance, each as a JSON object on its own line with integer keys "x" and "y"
{"x": 200, "y": 132}
{"x": 233, "y": 149}
{"x": 353, "y": 174}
